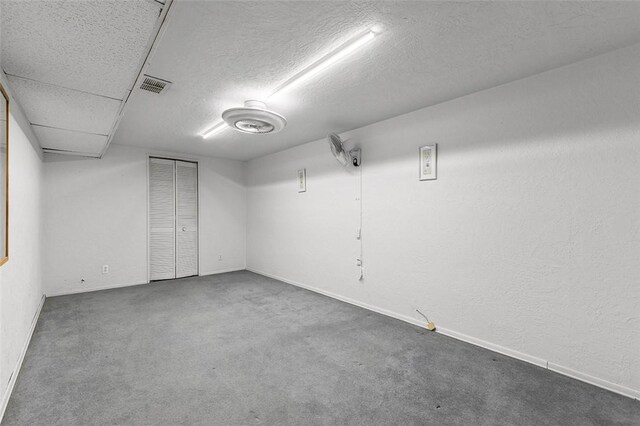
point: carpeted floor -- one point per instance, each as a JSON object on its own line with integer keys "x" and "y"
{"x": 243, "y": 349}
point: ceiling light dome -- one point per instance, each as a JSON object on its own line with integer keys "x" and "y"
{"x": 254, "y": 118}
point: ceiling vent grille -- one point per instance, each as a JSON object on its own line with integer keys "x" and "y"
{"x": 154, "y": 85}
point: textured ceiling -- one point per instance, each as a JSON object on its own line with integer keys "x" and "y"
{"x": 218, "y": 54}
{"x": 55, "y": 106}
{"x": 71, "y": 63}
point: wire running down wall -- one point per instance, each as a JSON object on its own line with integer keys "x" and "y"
{"x": 526, "y": 243}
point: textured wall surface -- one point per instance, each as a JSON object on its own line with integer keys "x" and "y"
{"x": 97, "y": 215}
{"x": 528, "y": 241}
{"x": 21, "y": 277}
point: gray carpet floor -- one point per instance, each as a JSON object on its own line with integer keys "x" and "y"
{"x": 243, "y": 349}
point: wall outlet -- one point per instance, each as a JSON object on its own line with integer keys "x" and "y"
{"x": 219, "y": 257}
{"x": 105, "y": 269}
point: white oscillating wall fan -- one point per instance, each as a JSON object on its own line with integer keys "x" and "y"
{"x": 339, "y": 151}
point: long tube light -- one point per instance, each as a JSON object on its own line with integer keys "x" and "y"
{"x": 315, "y": 68}
{"x": 214, "y": 129}
{"x": 326, "y": 61}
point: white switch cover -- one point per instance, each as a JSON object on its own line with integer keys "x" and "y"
{"x": 105, "y": 269}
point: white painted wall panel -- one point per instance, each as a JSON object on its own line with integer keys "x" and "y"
{"x": 105, "y": 200}
{"x": 21, "y": 277}
{"x": 528, "y": 240}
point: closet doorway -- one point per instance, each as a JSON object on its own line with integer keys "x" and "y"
{"x": 173, "y": 218}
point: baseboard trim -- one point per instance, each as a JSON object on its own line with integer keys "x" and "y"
{"x": 373, "y": 308}
{"x": 92, "y": 289}
{"x": 493, "y": 347}
{"x": 16, "y": 370}
{"x": 109, "y": 287}
{"x": 601, "y": 383}
{"x": 583, "y": 377}
{"x": 223, "y": 271}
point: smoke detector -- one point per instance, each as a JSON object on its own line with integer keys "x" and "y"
{"x": 254, "y": 118}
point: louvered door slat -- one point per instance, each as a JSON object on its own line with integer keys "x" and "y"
{"x": 187, "y": 219}
{"x": 161, "y": 219}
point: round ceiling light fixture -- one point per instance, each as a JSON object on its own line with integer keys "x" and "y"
{"x": 254, "y": 118}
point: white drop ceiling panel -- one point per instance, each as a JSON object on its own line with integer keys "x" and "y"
{"x": 67, "y": 140}
{"x": 94, "y": 46}
{"x": 55, "y": 106}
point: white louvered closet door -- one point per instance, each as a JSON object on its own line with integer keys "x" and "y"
{"x": 173, "y": 219}
{"x": 186, "y": 219}
{"x": 162, "y": 222}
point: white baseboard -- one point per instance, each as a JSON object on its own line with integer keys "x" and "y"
{"x": 493, "y": 347}
{"x": 222, "y": 271}
{"x": 619, "y": 389}
{"x": 108, "y": 287}
{"x": 583, "y": 377}
{"x": 16, "y": 370}
{"x": 343, "y": 299}
{"x": 89, "y": 290}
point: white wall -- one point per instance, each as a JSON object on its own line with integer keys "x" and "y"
{"x": 527, "y": 243}
{"x": 21, "y": 277}
{"x": 96, "y": 214}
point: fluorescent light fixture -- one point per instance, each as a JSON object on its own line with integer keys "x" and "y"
{"x": 327, "y": 60}
{"x": 214, "y": 129}
{"x": 315, "y": 68}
